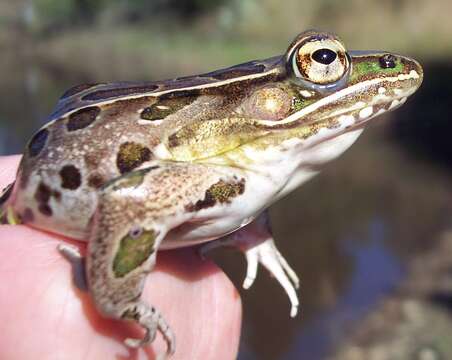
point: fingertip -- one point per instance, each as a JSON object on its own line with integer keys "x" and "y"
{"x": 200, "y": 303}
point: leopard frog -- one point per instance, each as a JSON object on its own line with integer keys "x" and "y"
{"x": 135, "y": 168}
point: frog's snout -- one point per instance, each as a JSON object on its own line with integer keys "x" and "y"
{"x": 420, "y": 71}
{"x": 413, "y": 72}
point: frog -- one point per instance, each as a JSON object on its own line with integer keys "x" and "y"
{"x": 135, "y": 168}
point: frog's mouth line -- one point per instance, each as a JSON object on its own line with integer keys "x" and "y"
{"x": 409, "y": 84}
{"x": 336, "y": 124}
{"x": 357, "y": 119}
{"x": 347, "y": 120}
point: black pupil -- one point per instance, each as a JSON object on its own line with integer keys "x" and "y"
{"x": 324, "y": 56}
{"x": 134, "y": 233}
{"x": 388, "y": 61}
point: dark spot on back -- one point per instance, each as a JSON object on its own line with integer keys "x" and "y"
{"x": 150, "y": 114}
{"x": 43, "y": 193}
{"x": 27, "y": 216}
{"x": 45, "y": 209}
{"x": 165, "y": 107}
{"x": 70, "y": 177}
{"x": 38, "y": 142}
{"x": 96, "y": 181}
{"x": 119, "y": 107}
{"x": 205, "y": 203}
{"x": 121, "y": 91}
{"x": 77, "y": 89}
{"x": 82, "y": 118}
{"x": 236, "y": 71}
{"x": 6, "y": 193}
{"x": 131, "y": 155}
{"x": 173, "y": 140}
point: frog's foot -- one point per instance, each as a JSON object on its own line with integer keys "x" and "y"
{"x": 268, "y": 255}
{"x": 256, "y": 241}
{"x": 151, "y": 320}
{"x": 77, "y": 261}
{"x": 147, "y": 316}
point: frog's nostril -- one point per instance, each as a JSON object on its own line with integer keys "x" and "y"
{"x": 387, "y": 61}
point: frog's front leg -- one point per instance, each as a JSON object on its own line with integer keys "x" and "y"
{"x": 256, "y": 241}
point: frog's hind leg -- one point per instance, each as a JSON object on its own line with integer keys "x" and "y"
{"x": 125, "y": 236}
{"x": 256, "y": 241}
{"x": 133, "y": 216}
{"x": 117, "y": 282}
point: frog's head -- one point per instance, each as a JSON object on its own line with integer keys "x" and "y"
{"x": 345, "y": 87}
{"x": 312, "y": 94}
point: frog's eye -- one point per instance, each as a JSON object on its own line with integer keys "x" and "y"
{"x": 320, "y": 62}
{"x": 135, "y": 232}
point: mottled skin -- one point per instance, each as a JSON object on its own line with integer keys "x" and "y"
{"x": 138, "y": 167}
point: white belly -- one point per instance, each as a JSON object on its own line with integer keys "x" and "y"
{"x": 316, "y": 156}
{"x": 220, "y": 220}
{"x": 265, "y": 183}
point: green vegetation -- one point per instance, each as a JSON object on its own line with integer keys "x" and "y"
{"x": 414, "y": 27}
{"x": 47, "y": 13}
{"x": 42, "y": 16}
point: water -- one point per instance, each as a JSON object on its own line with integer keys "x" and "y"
{"x": 376, "y": 272}
{"x": 348, "y": 233}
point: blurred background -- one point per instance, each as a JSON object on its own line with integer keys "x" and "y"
{"x": 371, "y": 237}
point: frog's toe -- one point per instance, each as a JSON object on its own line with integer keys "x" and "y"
{"x": 268, "y": 255}
{"x": 252, "y": 259}
{"x": 151, "y": 320}
{"x": 77, "y": 261}
{"x": 256, "y": 242}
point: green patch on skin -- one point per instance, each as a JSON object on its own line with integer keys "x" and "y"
{"x": 220, "y": 192}
{"x": 130, "y": 180}
{"x": 212, "y": 137}
{"x": 135, "y": 179}
{"x": 223, "y": 191}
{"x": 301, "y": 132}
{"x": 133, "y": 251}
{"x": 165, "y": 107}
{"x": 364, "y": 68}
{"x": 153, "y": 113}
{"x": 299, "y": 103}
{"x": 131, "y": 155}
